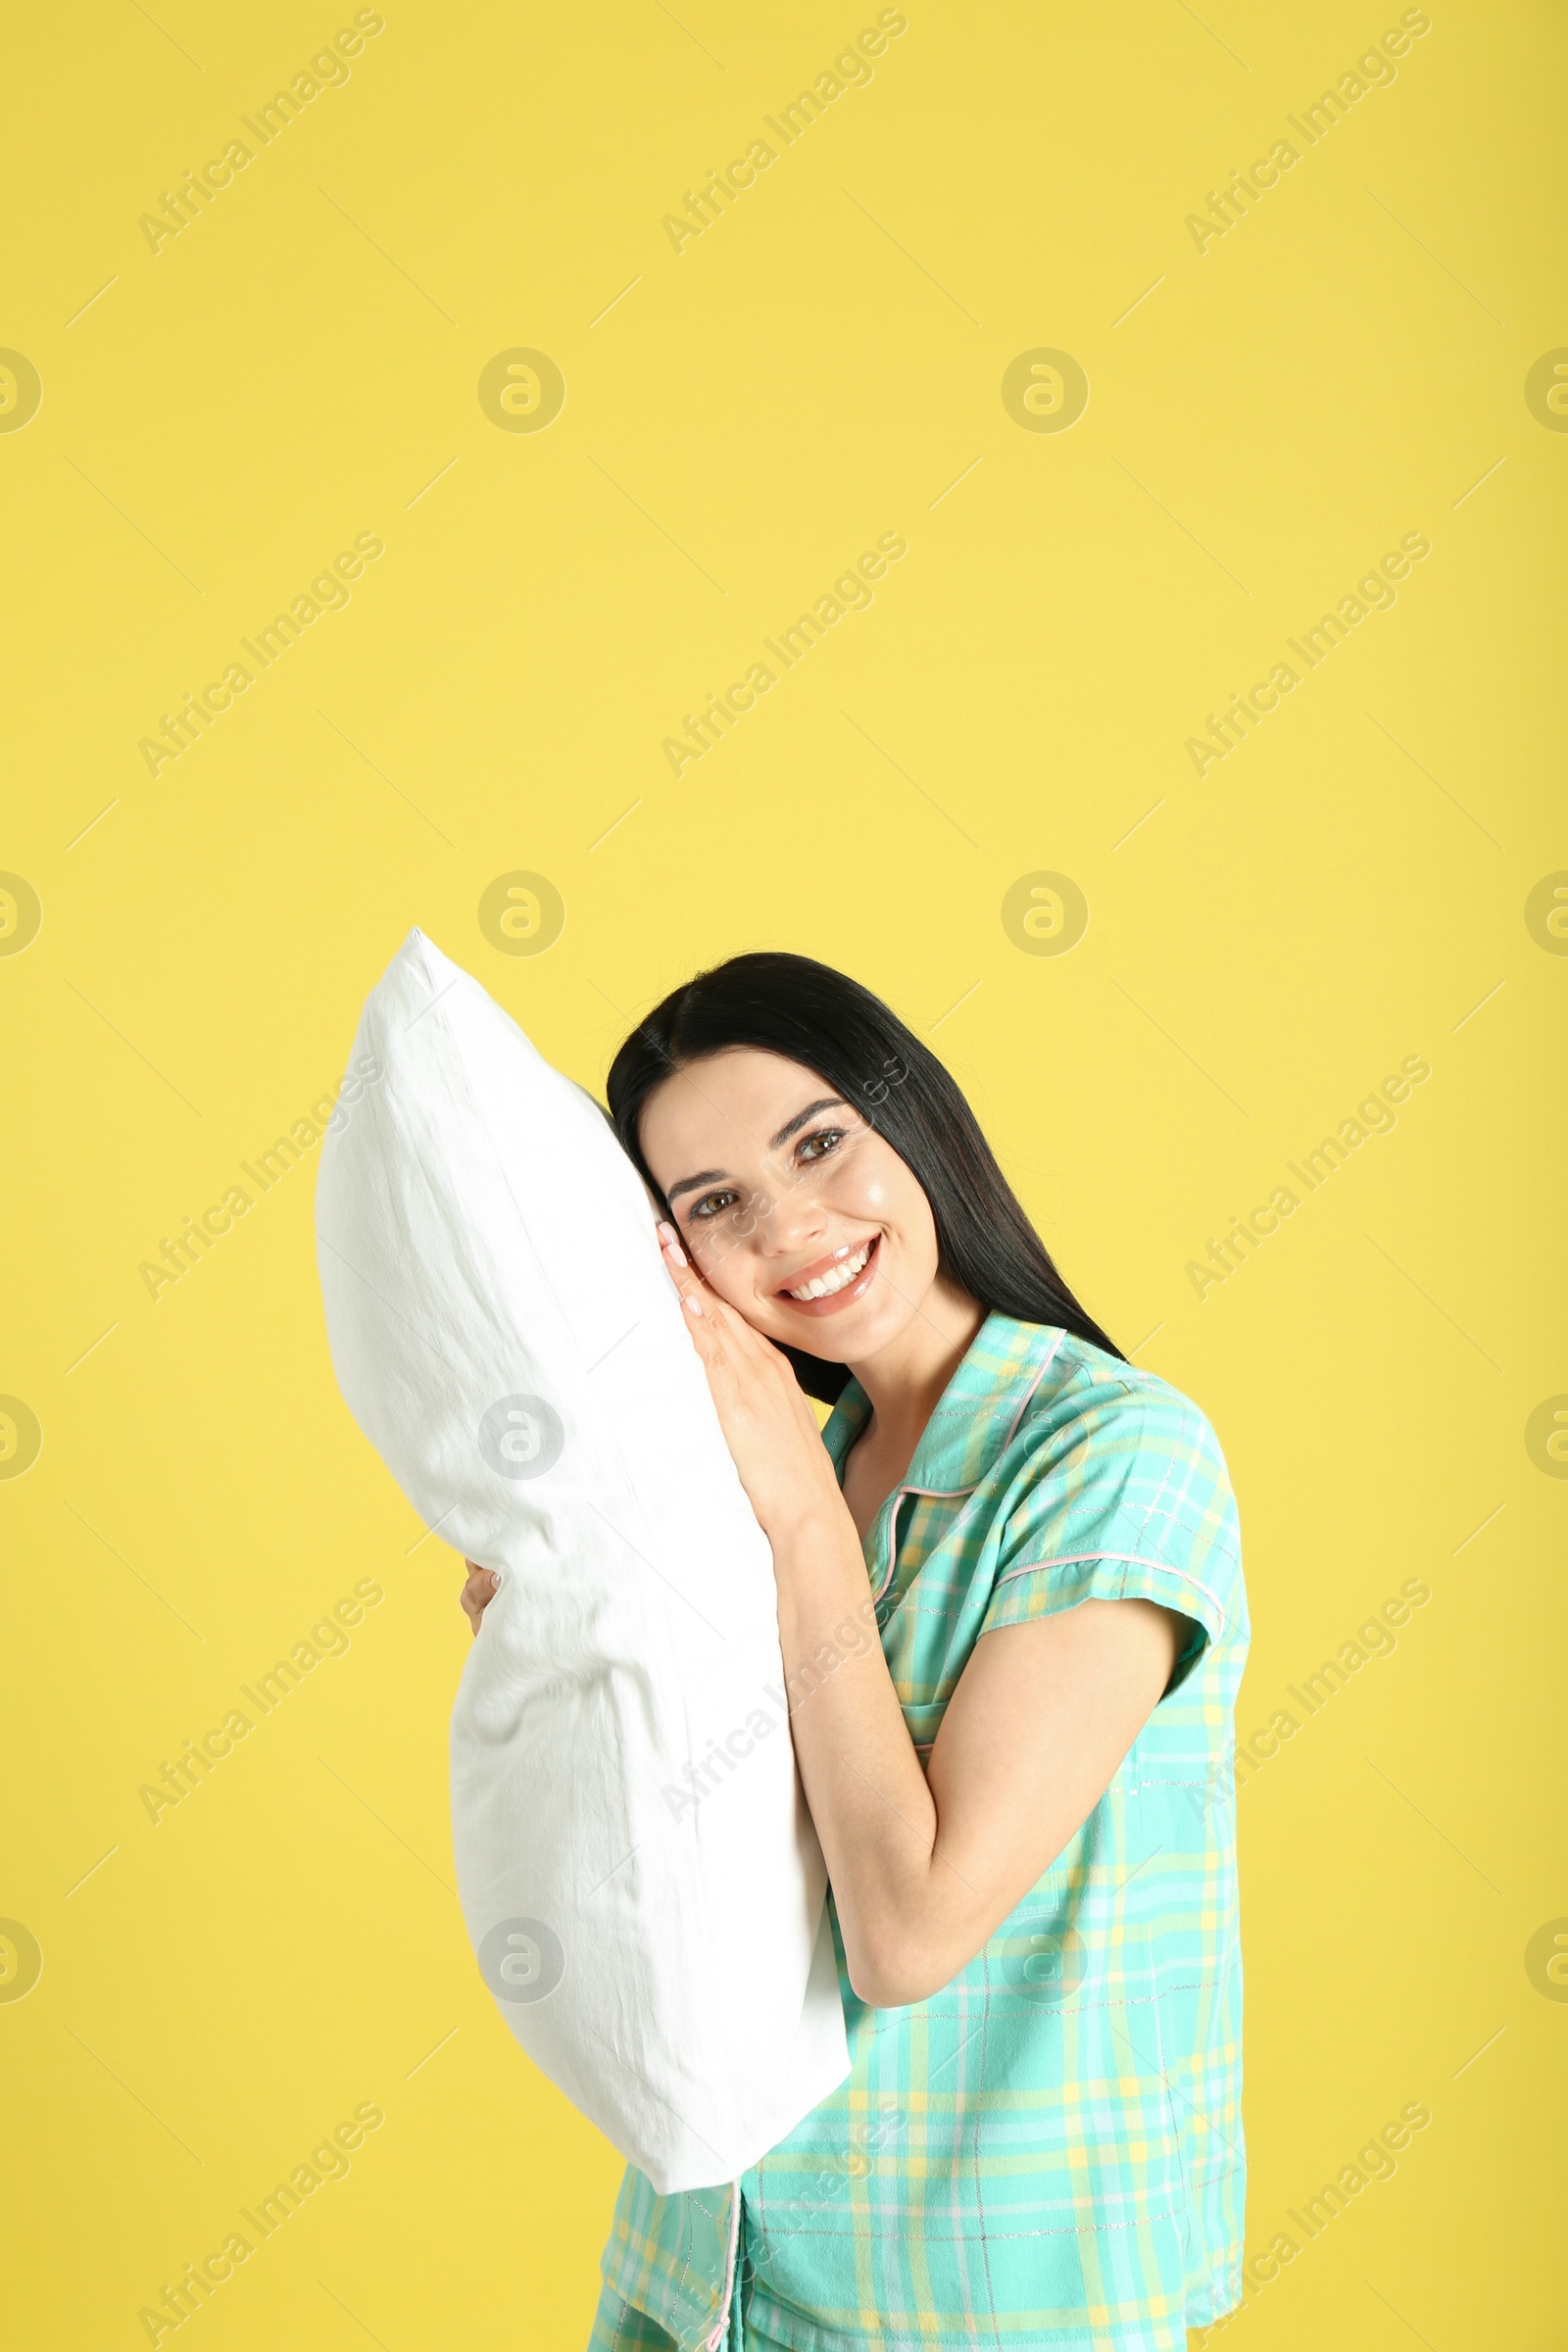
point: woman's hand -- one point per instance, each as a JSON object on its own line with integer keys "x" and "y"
{"x": 768, "y": 1425}
{"x": 480, "y": 1592}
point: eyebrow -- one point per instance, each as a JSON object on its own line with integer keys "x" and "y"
{"x": 694, "y": 1184}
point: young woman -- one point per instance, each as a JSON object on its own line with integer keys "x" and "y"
{"x": 1019, "y": 1767}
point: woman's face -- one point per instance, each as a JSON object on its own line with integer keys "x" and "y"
{"x": 777, "y": 1187}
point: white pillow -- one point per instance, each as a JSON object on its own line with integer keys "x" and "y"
{"x": 635, "y": 1860}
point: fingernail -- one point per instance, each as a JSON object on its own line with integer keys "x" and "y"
{"x": 692, "y": 1302}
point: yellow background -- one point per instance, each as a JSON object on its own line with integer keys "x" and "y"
{"x": 1266, "y": 417}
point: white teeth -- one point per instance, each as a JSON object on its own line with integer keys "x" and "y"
{"x": 826, "y": 1284}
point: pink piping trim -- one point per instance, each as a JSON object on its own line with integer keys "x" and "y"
{"x": 1030, "y": 1390}
{"x": 710, "y": 2343}
{"x": 1133, "y": 1560}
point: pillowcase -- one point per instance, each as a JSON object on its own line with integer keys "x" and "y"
{"x": 637, "y": 1868}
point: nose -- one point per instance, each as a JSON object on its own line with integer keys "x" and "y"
{"x": 786, "y": 1220}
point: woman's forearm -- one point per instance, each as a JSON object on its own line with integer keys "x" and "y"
{"x": 874, "y": 1814}
{"x": 925, "y": 1863}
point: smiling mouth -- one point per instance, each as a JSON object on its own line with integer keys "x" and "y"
{"x": 843, "y": 1279}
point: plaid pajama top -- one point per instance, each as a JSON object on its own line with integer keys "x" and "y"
{"x": 1048, "y": 2150}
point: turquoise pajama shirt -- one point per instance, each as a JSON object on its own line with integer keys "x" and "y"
{"x": 1047, "y": 2151}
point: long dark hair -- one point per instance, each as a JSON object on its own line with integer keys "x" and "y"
{"x": 809, "y": 1013}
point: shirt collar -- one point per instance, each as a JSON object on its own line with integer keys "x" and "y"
{"x": 976, "y": 1415}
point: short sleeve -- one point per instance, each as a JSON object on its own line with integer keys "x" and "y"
{"x": 1121, "y": 1494}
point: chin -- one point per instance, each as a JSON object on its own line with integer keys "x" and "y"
{"x": 852, "y": 1337}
